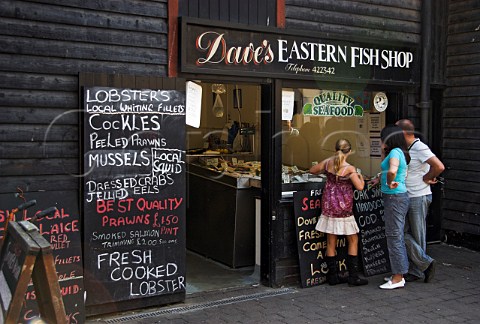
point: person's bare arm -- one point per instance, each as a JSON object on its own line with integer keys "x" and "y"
{"x": 318, "y": 168}
{"x": 436, "y": 168}
{"x": 356, "y": 178}
{"x": 392, "y": 173}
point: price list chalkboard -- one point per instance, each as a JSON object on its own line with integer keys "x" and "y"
{"x": 368, "y": 211}
{"x": 312, "y": 245}
{"x": 134, "y": 193}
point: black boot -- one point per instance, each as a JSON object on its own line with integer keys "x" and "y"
{"x": 353, "y": 270}
{"x": 332, "y": 276}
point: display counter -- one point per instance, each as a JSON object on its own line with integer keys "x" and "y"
{"x": 221, "y": 208}
{"x": 221, "y": 216}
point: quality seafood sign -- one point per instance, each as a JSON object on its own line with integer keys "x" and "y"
{"x": 333, "y": 104}
{"x": 276, "y": 53}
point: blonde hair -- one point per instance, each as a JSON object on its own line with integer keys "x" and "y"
{"x": 342, "y": 148}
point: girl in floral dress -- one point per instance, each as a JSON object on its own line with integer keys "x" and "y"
{"x": 337, "y": 211}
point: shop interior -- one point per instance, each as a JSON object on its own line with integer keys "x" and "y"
{"x": 223, "y": 171}
{"x": 223, "y": 183}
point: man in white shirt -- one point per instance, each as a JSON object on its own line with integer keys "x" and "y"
{"x": 423, "y": 169}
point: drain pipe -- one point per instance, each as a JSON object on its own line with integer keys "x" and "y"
{"x": 425, "y": 104}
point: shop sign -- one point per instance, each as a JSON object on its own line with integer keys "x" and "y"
{"x": 270, "y": 52}
{"x": 333, "y": 104}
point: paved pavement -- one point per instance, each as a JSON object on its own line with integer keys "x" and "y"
{"x": 452, "y": 297}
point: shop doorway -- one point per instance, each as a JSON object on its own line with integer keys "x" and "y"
{"x": 223, "y": 188}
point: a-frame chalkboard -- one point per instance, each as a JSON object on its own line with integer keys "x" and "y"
{"x": 26, "y": 255}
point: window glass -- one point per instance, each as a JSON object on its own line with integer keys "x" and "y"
{"x": 321, "y": 117}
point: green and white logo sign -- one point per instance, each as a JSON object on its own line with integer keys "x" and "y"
{"x": 334, "y": 104}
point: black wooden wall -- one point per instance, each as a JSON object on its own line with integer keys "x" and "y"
{"x": 461, "y": 119}
{"x": 439, "y": 43}
{"x": 250, "y": 12}
{"x": 44, "y": 45}
{"x": 391, "y": 20}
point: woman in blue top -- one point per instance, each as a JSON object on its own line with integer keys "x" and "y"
{"x": 395, "y": 198}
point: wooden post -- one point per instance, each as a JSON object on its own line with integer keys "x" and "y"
{"x": 45, "y": 281}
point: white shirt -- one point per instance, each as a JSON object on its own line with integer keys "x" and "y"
{"x": 417, "y": 168}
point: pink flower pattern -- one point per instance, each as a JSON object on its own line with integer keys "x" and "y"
{"x": 337, "y": 197}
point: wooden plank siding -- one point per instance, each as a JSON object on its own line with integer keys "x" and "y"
{"x": 249, "y": 12}
{"x": 439, "y": 40}
{"x": 388, "y": 20}
{"x": 44, "y": 46}
{"x": 461, "y": 119}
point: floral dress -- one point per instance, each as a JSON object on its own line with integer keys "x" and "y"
{"x": 337, "y": 205}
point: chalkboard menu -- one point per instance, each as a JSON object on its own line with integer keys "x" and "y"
{"x": 368, "y": 211}
{"x": 312, "y": 245}
{"x": 134, "y": 193}
{"x": 62, "y": 231}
